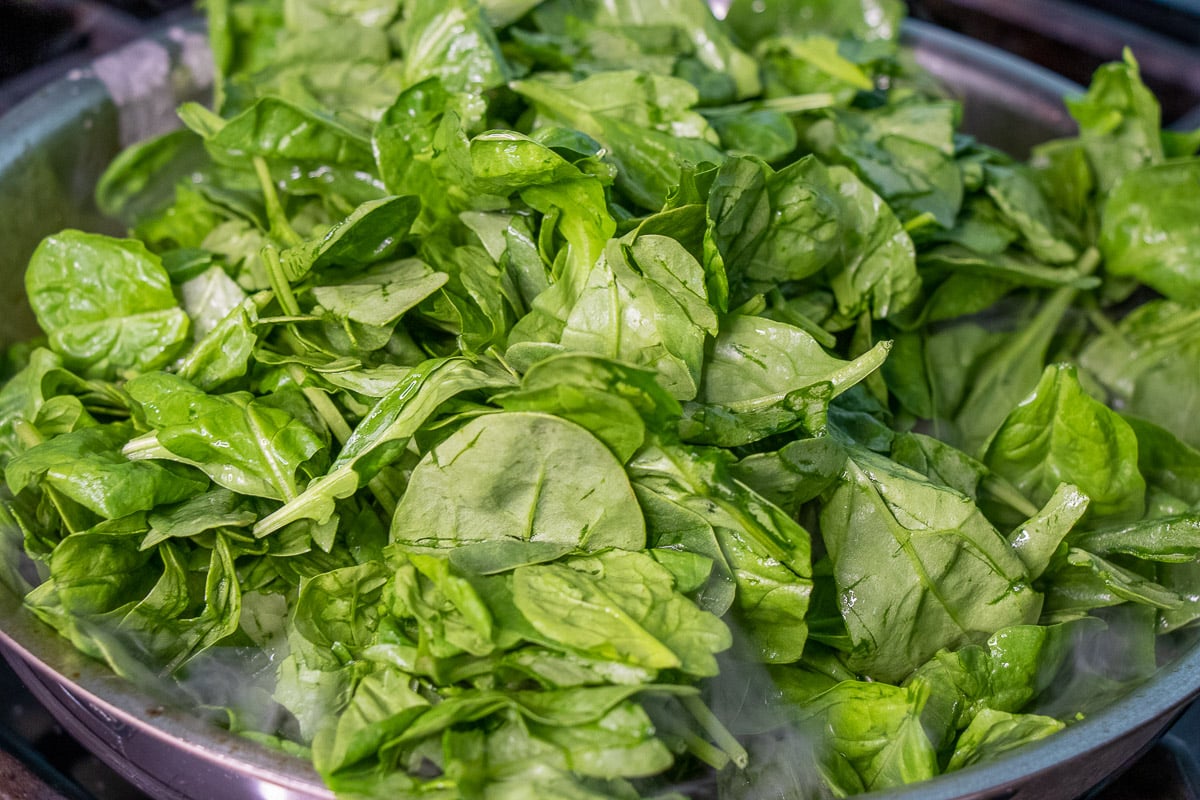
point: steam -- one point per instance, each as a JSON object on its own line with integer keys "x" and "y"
{"x": 774, "y": 758}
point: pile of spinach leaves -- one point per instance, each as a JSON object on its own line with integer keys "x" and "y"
{"x": 585, "y": 399}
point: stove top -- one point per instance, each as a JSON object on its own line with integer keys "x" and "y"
{"x": 40, "y": 761}
{"x": 43, "y": 39}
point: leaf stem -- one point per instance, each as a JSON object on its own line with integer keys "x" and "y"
{"x": 276, "y": 217}
{"x": 144, "y": 446}
{"x": 384, "y": 494}
{"x": 919, "y": 221}
{"x": 1006, "y": 493}
{"x": 1101, "y": 321}
{"x": 284, "y": 319}
{"x": 279, "y": 281}
{"x": 791, "y": 104}
{"x": 322, "y": 405}
{"x": 495, "y": 353}
{"x": 704, "y": 750}
{"x": 341, "y": 431}
{"x": 1088, "y": 262}
{"x": 716, "y": 729}
{"x": 779, "y": 306}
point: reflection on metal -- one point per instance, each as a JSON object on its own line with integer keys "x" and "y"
{"x": 1073, "y": 37}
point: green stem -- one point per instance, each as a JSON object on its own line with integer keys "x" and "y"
{"x": 342, "y": 431}
{"x": 322, "y": 405}
{"x": 714, "y": 728}
{"x": 383, "y": 493}
{"x": 704, "y": 750}
{"x": 1101, "y": 321}
{"x": 779, "y": 306}
{"x": 146, "y": 446}
{"x": 496, "y": 354}
{"x": 791, "y": 104}
{"x": 279, "y": 281}
{"x": 1006, "y": 493}
{"x": 673, "y": 724}
{"x": 284, "y": 319}
{"x": 262, "y": 298}
{"x": 276, "y": 216}
{"x": 1088, "y": 262}
{"x": 329, "y": 412}
{"x": 919, "y": 221}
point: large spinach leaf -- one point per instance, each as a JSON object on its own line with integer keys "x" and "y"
{"x": 918, "y": 567}
{"x": 516, "y": 478}
{"x": 1051, "y": 438}
{"x": 105, "y": 303}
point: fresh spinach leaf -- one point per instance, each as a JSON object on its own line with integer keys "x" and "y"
{"x": 251, "y": 445}
{"x": 106, "y": 304}
{"x": 520, "y": 477}
{"x": 1051, "y": 439}
{"x": 620, "y": 605}
{"x": 1119, "y": 122}
{"x": 89, "y": 467}
{"x": 949, "y": 573}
